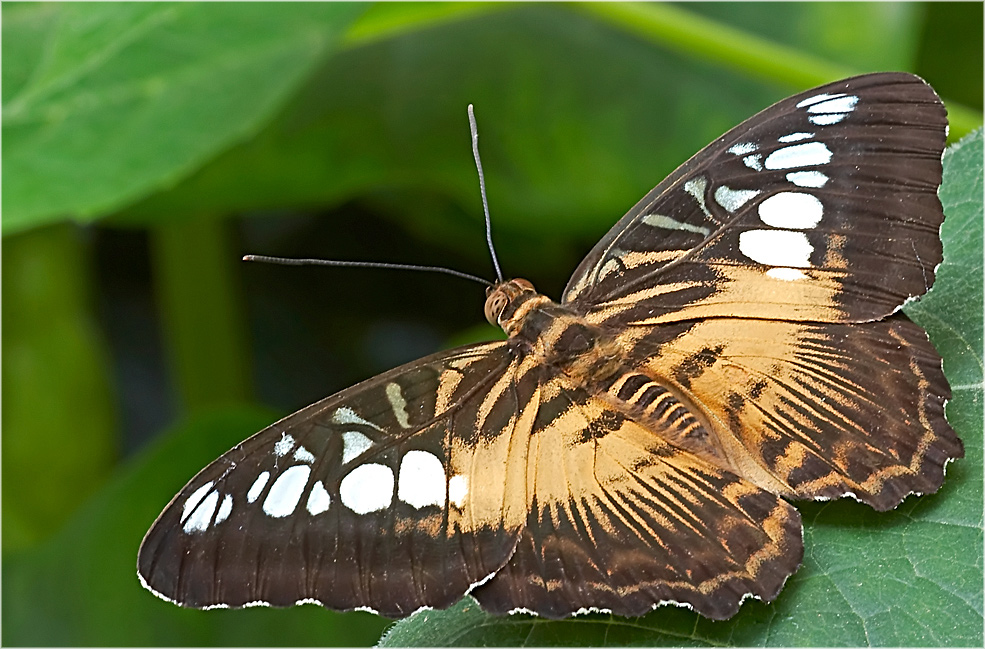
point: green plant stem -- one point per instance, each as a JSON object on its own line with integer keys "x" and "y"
{"x": 666, "y": 25}
{"x": 202, "y": 312}
{"x": 385, "y": 20}
{"x": 60, "y": 430}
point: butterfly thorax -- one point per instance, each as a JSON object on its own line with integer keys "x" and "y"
{"x": 562, "y": 342}
{"x": 554, "y": 334}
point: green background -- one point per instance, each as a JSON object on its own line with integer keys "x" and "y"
{"x": 146, "y": 147}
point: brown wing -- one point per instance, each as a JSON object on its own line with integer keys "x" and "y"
{"x": 392, "y": 495}
{"x": 814, "y": 410}
{"x": 622, "y": 521}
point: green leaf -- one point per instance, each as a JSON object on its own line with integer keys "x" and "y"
{"x": 910, "y": 577}
{"x": 123, "y": 99}
{"x": 82, "y": 589}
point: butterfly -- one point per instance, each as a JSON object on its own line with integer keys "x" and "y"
{"x": 733, "y": 343}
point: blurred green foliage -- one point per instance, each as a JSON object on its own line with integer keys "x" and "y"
{"x": 339, "y": 130}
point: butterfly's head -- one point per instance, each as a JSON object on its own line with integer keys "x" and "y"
{"x": 503, "y": 295}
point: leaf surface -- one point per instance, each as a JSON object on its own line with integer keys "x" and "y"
{"x": 104, "y": 103}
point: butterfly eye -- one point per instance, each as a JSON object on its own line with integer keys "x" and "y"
{"x": 495, "y": 304}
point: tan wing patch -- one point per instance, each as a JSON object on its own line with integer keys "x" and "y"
{"x": 826, "y": 410}
{"x": 622, "y": 521}
{"x": 739, "y": 291}
{"x": 497, "y": 456}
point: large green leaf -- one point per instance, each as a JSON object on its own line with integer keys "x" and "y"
{"x": 571, "y": 102}
{"x": 103, "y": 103}
{"x": 911, "y": 577}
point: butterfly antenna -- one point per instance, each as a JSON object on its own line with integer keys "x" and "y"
{"x": 482, "y": 189}
{"x": 286, "y": 261}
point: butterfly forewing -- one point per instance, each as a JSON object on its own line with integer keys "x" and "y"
{"x": 394, "y": 494}
{"x": 822, "y": 207}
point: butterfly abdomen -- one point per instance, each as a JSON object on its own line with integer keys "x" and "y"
{"x": 645, "y": 400}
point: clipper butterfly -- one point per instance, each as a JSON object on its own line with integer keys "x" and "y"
{"x": 733, "y": 343}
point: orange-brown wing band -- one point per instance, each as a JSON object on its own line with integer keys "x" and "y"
{"x": 828, "y": 410}
{"x": 622, "y": 521}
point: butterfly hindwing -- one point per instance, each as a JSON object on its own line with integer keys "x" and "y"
{"x": 620, "y": 520}
{"x": 391, "y": 495}
{"x": 822, "y": 207}
{"x": 798, "y": 401}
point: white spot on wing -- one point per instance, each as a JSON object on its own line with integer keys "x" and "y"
{"x": 733, "y": 199}
{"x": 284, "y": 446}
{"x": 303, "y": 455}
{"x": 667, "y": 223}
{"x": 696, "y": 188}
{"x": 776, "y": 247}
{"x": 318, "y": 499}
{"x": 794, "y": 137}
{"x": 353, "y": 444}
{"x": 257, "y": 487}
{"x": 192, "y": 502}
{"x": 348, "y": 416}
{"x": 284, "y": 494}
{"x": 398, "y": 404}
{"x": 799, "y": 155}
{"x": 818, "y": 98}
{"x": 794, "y": 210}
{"x": 786, "y": 274}
{"x": 458, "y": 490}
{"x": 826, "y": 119}
{"x": 201, "y": 515}
{"x": 844, "y": 104}
{"x": 742, "y": 148}
{"x": 807, "y": 178}
{"x": 754, "y": 161}
{"x": 422, "y": 480}
{"x": 369, "y": 488}
{"x": 829, "y": 109}
{"x": 225, "y": 509}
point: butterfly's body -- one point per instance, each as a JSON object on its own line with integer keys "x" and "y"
{"x": 733, "y": 341}
{"x": 563, "y": 345}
